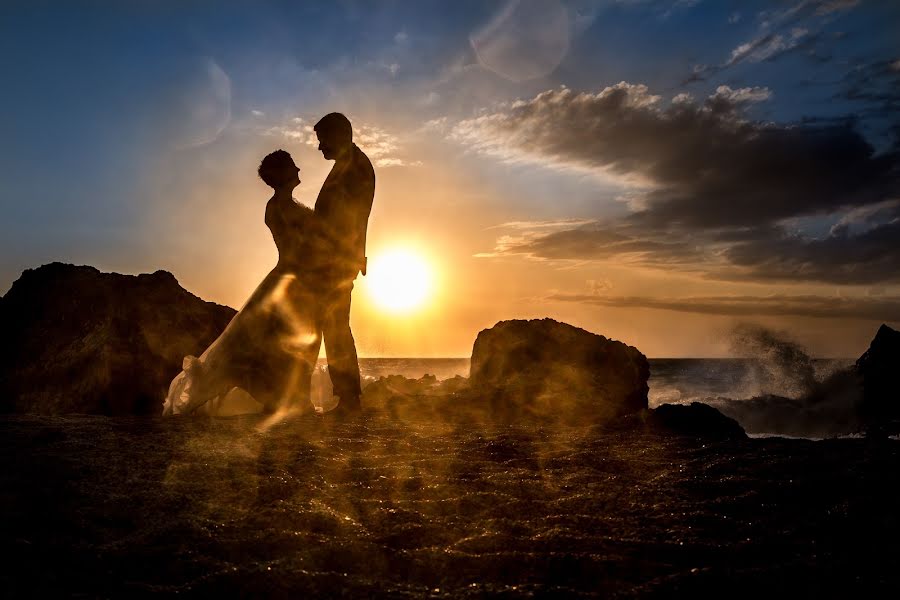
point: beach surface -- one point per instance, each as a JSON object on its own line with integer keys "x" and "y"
{"x": 96, "y": 506}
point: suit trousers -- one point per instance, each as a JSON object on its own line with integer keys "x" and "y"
{"x": 334, "y": 323}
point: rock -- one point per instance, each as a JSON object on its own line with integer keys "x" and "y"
{"x": 73, "y": 339}
{"x": 879, "y": 372}
{"x": 696, "y": 419}
{"x": 397, "y": 388}
{"x": 545, "y": 368}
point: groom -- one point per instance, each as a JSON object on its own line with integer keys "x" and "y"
{"x": 342, "y": 208}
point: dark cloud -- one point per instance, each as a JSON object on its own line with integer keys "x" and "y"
{"x": 596, "y": 242}
{"x": 876, "y": 87}
{"x": 875, "y": 308}
{"x": 871, "y": 256}
{"x": 716, "y": 189}
{"x": 705, "y": 164}
{"x": 863, "y": 251}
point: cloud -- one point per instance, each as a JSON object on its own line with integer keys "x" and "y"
{"x": 770, "y": 46}
{"x": 294, "y": 129}
{"x": 740, "y": 95}
{"x": 593, "y": 241}
{"x": 874, "y": 85}
{"x": 875, "y": 308}
{"x": 679, "y": 5}
{"x": 871, "y": 256}
{"x": 383, "y": 148}
{"x": 831, "y": 6}
{"x": 862, "y": 247}
{"x": 701, "y": 164}
{"x": 803, "y": 10}
{"x": 764, "y": 47}
{"x": 782, "y": 32}
{"x": 712, "y": 191}
{"x": 597, "y": 287}
{"x": 543, "y": 225}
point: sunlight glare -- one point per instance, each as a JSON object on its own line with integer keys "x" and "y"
{"x": 398, "y": 280}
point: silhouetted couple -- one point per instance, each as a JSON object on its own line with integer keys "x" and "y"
{"x": 270, "y": 347}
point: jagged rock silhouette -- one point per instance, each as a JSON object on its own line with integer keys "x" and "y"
{"x": 878, "y": 370}
{"x": 75, "y": 340}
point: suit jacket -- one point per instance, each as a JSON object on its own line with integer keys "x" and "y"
{"x": 343, "y": 207}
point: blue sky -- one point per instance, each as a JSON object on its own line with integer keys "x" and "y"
{"x": 130, "y": 133}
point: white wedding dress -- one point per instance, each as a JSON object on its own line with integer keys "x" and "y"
{"x": 265, "y": 357}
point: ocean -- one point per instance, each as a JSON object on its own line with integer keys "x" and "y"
{"x": 672, "y": 380}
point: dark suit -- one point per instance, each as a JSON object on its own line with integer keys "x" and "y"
{"x": 343, "y": 208}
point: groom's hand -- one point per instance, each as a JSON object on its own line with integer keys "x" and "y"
{"x": 362, "y": 269}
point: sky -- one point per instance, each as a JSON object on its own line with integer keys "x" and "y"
{"x": 654, "y": 171}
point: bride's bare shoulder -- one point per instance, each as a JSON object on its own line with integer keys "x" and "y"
{"x": 276, "y": 210}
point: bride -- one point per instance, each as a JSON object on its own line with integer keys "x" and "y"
{"x": 270, "y": 347}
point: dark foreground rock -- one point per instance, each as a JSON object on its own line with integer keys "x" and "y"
{"x": 545, "y": 368}
{"x": 75, "y": 340}
{"x": 696, "y": 420}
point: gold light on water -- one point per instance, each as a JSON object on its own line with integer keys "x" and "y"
{"x": 399, "y": 280}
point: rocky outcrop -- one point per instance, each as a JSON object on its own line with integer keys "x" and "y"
{"x": 695, "y": 420}
{"x": 545, "y": 368}
{"x": 879, "y": 375}
{"x": 75, "y": 340}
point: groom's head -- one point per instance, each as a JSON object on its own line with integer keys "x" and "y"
{"x": 335, "y": 135}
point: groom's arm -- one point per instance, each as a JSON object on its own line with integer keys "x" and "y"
{"x": 362, "y": 195}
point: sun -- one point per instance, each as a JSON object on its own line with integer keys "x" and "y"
{"x": 399, "y": 280}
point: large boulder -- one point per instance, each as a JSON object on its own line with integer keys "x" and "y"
{"x": 546, "y": 368}
{"x": 879, "y": 373}
{"x": 73, "y": 339}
